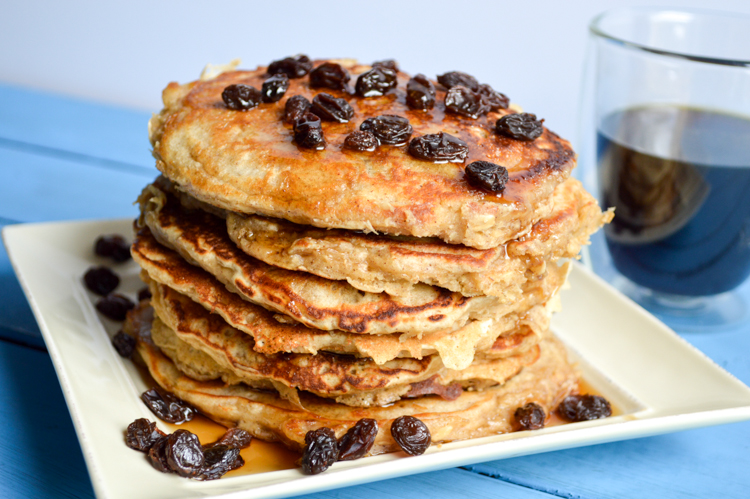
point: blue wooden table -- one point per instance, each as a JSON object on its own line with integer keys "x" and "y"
{"x": 64, "y": 159}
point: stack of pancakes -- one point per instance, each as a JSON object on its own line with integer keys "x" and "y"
{"x": 294, "y": 289}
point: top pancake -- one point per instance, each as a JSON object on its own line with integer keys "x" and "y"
{"x": 247, "y": 162}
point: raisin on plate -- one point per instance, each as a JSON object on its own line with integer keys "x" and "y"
{"x": 142, "y": 434}
{"x": 234, "y": 437}
{"x": 358, "y": 440}
{"x": 112, "y": 246}
{"x": 530, "y": 417}
{"x": 115, "y": 306}
{"x": 321, "y": 451}
{"x": 168, "y": 407}
{"x": 124, "y": 344}
{"x": 184, "y": 453}
{"x": 218, "y": 460}
{"x": 101, "y": 280}
{"x": 411, "y": 434}
{"x": 584, "y": 408}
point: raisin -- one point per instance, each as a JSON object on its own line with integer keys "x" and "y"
{"x": 329, "y": 75}
{"x": 234, "y": 437}
{"x": 144, "y": 294}
{"x": 376, "y": 81}
{"x": 361, "y": 140}
{"x": 493, "y": 98}
{"x": 330, "y": 108}
{"x": 101, "y": 280}
{"x": 439, "y": 148}
{"x": 308, "y": 132}
{"x": 142, "y": 434}
{"x": 124, "y": 344}
{"x": 411, "y": 434}
{"x": 218, "y": 460}
{"x": 530, "y": 417}
{"x": 321, "y": 451}
{"x": 520, "y": 126}
{"x": 420, "y": 93}
{"x": 241, "y": 97}
{"x": 358, "y": 440}
{"x": 168, "y": 407}
{"x": 294, "y": 67}
{"x": 295, "y": 107}
{"x": 274, "y": 87}
{"x": 157, "y": 455}
{"x": 389, "y": 129}
{"x": 115, "y": 306}
{"x": 466, "y": 102}
{"x": 184, "y": 453}
{"x": 584, "y": 408}
{"x": 454, "y": 78}
{"x": 113, "y": 246}
{"x": 487, "y": 176}
{"x": 387, "y": 64}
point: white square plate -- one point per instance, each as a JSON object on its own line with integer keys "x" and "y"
{"x": 658, "y": 382}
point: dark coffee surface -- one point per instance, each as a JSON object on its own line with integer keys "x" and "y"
{"x": 679, "y": 179}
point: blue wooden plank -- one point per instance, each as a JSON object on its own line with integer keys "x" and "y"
{"x": 54, "y": 122}
{"x": 39, "y": 449}
{"x": 709, "y": 462}
{"x": 17, "y": 323}
{"x": 453, "y": 483}
{"x": 40, "y": 188}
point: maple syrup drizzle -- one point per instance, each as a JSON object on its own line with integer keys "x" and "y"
{"x": 260, "y": 456}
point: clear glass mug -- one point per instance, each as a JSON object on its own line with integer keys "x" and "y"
{"x": 665, "y": 139}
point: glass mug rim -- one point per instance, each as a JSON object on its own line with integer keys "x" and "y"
{"x": 596, "y": 29}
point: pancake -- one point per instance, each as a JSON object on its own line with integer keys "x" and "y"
{"x": 348, "y": 380}
{"x": 529, "y": 318}
{"x": 393, "y": 265}
{"x": 268, "y": 416}
{"x": 247, "y": 162}
{"x": 202, "y": 239}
